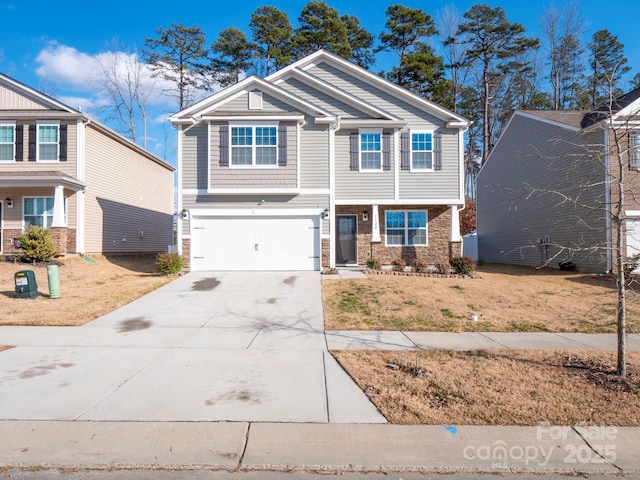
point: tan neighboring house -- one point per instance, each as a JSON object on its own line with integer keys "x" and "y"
{"x": 318, "y": 165}
{"x": 97, "y": 191}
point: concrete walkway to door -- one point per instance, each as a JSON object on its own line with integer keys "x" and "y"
{"x": 223, "y": 346}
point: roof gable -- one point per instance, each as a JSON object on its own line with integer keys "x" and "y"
{"x": 18, "y": 96}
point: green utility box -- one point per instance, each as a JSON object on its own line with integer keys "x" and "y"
{"x": 26, "y": 286}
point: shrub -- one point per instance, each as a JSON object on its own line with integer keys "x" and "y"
{"x": 463, "y": 265}
{"x": 420, "y": 265}
{"x": 399, "y": 265}
{"x": 443, "y": 268}
{"x": 38, "y": 244}
{"x": 373, "y": 263}
{"x": 169, "y": 263}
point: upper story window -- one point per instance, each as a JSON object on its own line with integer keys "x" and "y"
{"x": 254, "y": 145}
{"x": 634, "y": 150}
{"x": 48, "y": 142}
{"x": 7, "y": 142}
{"x": 406, "y": 228}
{"x": 421, "y": 151}
{"x": 370, "y": 150}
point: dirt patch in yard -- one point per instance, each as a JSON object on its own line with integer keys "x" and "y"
{"x": 503, "y": 298}
{"x": 497, "y": 387}
{"x": 89, "y": 288}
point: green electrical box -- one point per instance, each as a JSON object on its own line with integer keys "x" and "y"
{"x": 26, "y": 286}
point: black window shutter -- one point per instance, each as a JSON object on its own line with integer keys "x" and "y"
{"x": 634, "y": 154}
{"x": 355, "y": 151}
{"x": 63, "y": 143}
{"x": 19, "y": 143}
{"x": 224, "y": 145}
{"x": 386, "y": 151}
{"x": 437, "y": 151}
{"x": 32, "y": 143}
{"x": 282, "y": 145}
{"x": 405, "y": 151}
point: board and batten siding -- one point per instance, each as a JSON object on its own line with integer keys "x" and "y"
{"x": 128, "y": 193}
{"x": 520, "y": 198}
{"x": 253, "y": 177}
{"x": 194, "y": 157}
{"x": 436, "y": 184}
{"x": 13, "y": 100}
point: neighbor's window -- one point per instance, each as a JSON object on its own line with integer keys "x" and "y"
{"x": 370, "y": 151}
{"x": 634, "y": 150}
{"x": 254, "y": 145}
{"x": 39, "y": 211}
{"x": 7, "y": 142}
{"x": 421, "y": 151}
{"x": 48, "y": 142}
{"x": 403, "y": 228}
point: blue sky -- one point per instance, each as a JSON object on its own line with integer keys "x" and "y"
{"x": 55, "y": 45}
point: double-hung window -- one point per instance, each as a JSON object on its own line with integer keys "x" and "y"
{"x": 634, "y": 150}
{"x": 48, "y": 142}
{"x": 254, "y": 145}
{"x": 7, "y": 142}
{"x": 421, "y": 150}
{"x": 406, "y": 228}
{"x": 38, "y": 211}
{"x": 370, "y": 150}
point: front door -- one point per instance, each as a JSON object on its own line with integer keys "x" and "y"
{"x": 346, "y": 239}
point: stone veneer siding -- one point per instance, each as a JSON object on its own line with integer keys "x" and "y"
{"x": 186, "y": 253}
{"x": 439, "y": 249}
{"x": 64, "y": 238}
{"x": 325, "y": 245}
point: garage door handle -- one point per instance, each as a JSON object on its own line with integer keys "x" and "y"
{"x": 256, "y": 247}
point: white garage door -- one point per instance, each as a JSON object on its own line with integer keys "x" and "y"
{"x": 255, "y": 243}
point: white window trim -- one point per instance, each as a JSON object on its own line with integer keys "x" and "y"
{"x": 45, "y": 198}
{"x": 253, "y": 126}
{"x": 13, "y": 157}
{"x": 406, "y": 229}
{"x": 43, "y": 124}
{"x": 411, "y": 167}
{"x": 362, "y": 131}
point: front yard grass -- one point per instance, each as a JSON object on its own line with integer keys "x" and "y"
{"x": 502, "y": 299}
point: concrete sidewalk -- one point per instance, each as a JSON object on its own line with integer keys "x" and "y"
{"x": 319, "y": 447}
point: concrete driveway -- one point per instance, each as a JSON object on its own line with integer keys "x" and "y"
{"x": 223, "y": 346}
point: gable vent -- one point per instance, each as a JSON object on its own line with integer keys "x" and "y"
{"x": 255, "y": 100}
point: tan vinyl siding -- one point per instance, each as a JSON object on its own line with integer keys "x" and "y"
{"x": 194, "y": 157}
{"x": 355, "y": 185}
{"x": 253, "y": 177}
{"x": 127, "y": 193}
{"x": 269, "y": 104}
{"x": 314, "y": 156}
{"x": 437, "y": 184}
{"x": 13, "y": 216}
{"x": 520, "y": 197}
{"x": 12, "y": 100}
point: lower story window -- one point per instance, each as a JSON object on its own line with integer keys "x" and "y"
{"x": 38, "y": 211}
{"x": 403, "y": 228}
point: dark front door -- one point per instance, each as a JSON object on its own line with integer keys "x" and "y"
{"x": 346, "y": 239}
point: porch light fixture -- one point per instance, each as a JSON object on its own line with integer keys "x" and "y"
{"x": 365, "y": 216}
{"x": 9, "y": 202}
{"x": 325, "y": 213}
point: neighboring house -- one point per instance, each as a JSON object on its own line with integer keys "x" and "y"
{"x": 95, "y": 190}
{"x": 545, "y": 191}
{"x": 320, "y": 164}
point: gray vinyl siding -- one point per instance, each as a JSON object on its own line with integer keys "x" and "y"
{"x": 437, "y": 184}
{"x": 254, "y": 177}
{"x": 321, "y": 99}
{"x": 194, "y": 157}
{"x": 269, "y": 104}
{"x": 521, "y": 197}
{"x": 354, "y": 185}
{"x": 128, "y": 193}
{"x": 314, "y": 156}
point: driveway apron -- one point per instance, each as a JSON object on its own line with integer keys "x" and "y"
{"x": 209, "y": 346}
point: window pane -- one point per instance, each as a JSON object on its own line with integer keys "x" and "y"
{"x": 48, "y": 152}
{"x": 241, "y": 156}
{"x": 417, "y": 236}
{"x": 241, "y": 136}
{"x": 417, "y": 219}
{"x": 395, "y": 219}
{"x": 266, "y": 136}
{"x": 395, "y": 237}
{"x": 6, "y": 152}
{"x": 49, "y": 204}
{"x": 266, "y": 156}
{"x": 421, "y": 141}
{"x": 421, "y": 160}
{"x": 6, "y": 134}
{"x": 32, "y": 220}
{"x": 370, "y": 142}
{"x": 371, "y": 161}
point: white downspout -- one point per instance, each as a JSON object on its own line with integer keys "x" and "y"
{"x": 333, "y": 128}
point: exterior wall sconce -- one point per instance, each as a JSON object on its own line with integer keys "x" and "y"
{"x": 325, "y": 213}
{"x": 184, "y": 213}
{"x": 9, "y": 202}
{"x": 365, "y": 216}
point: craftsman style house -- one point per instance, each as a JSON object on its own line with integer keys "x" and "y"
{"x": 320, "y": 164}
{"x": 95, "y": 190}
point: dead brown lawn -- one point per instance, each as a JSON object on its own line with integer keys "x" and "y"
{"x": 497, "y": 387}
{"x": 88, "y": 290}
{"x": 504, "y": 298}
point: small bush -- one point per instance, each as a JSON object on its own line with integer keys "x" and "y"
{"x": 463, "y": 265}
{"x": 443, "y": 268}
{"x": 373, "y": 263}
{"x": 169, "y": 263}
{"x": 399, "y": 265}
{"x": 420, "y": 265}
{"x": 38, "y": 244}
{"x": 631, "y": 264}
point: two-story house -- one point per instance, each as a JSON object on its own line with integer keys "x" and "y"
{"x": 548, "y": 192}
{"x": 97, "y": 191}
{"x": 320, "y": 164}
